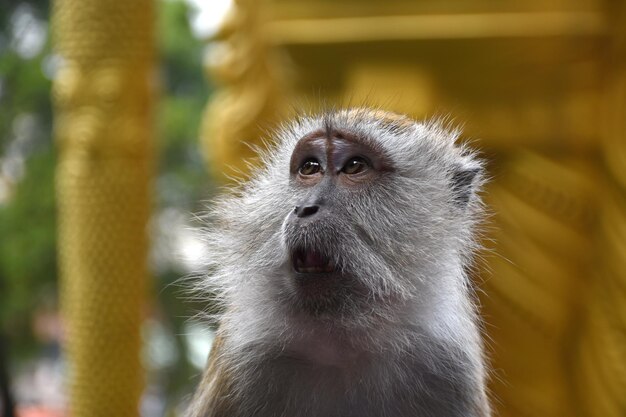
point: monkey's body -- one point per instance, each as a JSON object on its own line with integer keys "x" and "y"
{"x": 356, "y": 303}
{"x": 364, "y": 384}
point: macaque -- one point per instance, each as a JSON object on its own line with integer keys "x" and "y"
{"x": 341, "y": 268}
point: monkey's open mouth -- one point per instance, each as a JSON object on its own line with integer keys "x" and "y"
{"x": 311, "y": 262}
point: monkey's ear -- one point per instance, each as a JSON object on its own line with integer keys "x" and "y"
{"x": 464, "y": 183}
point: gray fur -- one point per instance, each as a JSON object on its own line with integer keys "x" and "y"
{"x": 408, "y": 344}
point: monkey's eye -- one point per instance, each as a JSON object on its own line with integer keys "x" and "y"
{"x": 355, "y": 165}
{"x": 310, "y": 167}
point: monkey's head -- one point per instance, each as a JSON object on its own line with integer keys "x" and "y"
{"x": 353, "y": 209}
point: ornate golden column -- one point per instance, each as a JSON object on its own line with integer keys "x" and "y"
{"x": 103, "y": 96}
{"x": 241, "y": 62}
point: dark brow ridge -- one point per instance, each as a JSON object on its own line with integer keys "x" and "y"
{"x": 350, "y": 136}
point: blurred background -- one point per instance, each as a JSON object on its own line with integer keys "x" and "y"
{"x": 120, "y": 120}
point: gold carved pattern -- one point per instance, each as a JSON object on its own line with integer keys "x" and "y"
{"x": 249, "y": 98}
{"x": 103, "y": 97}
{"x": 433, "y": 26}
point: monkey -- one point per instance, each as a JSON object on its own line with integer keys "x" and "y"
{"x": 342, "y": 267}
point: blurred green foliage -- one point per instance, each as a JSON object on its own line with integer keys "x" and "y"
{"x": 182, "y": 181}
{"x": 27, "y": 222}
{"x": 24, "y": 88}
{"x": 184, "y": 94}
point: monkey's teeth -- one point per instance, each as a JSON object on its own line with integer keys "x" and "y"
{"x": 311, "y": 262}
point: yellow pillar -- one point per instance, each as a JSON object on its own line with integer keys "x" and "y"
{"x": 103, "y": 97}
{"x": 249, "y": 100}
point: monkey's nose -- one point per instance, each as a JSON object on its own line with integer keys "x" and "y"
{"x": 306, "y": 211}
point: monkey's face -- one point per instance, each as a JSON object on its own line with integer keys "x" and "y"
{"x": 353, "y": 208}
{"x": 368, "y": 225}
{"x": 329, "y": 173}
